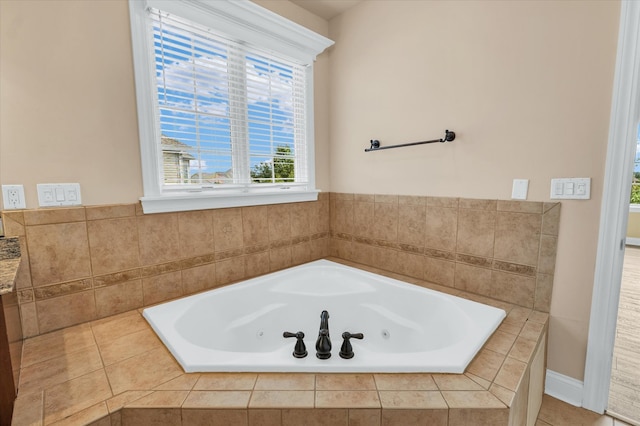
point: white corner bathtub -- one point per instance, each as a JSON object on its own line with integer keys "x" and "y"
{"x": 406, "y": 328}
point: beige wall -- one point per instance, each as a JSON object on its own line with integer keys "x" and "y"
{"x": 633, "y": 226}
{"x": 526, "y": 86}
{"x": 67, "y": 100}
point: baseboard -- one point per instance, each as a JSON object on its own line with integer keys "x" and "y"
{"x": 631, "y": 241}
{"x": 564, "y": 388}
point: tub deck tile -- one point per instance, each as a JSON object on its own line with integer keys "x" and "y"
{"x": 115, "y": 403}
{"x": 95, "y": 413}
{"x": 472, "y": 399}
{"x": 345, "y": 381}
{"x": 484, "y": 383}
{"x": 347, "y": 399}
{"x": 505, "y": 395}
{"x": 412, "y": 400}
{"x": 56, "y": 344}
{"x": 501, "y": 342}
{"x": 128, "y": 346}
{"x": 486, "y": 364}
{"x": 410, "y": 381}
{"x": 523, "y": 349}
{"x": 217, "y": 399}
{"x": 282, "y": 399}
{"x": 510, "y": 374}
{"x": 455, "y": 382}
{"x": 144, "y": 371}
{"x": 133, "y": 380}
{"x": 68, "y": 398}
{"x": 285, "y": 381}
{"x": 59, "y": 370}
{"x": 226, "y": 381}
{"x": 160, "y": 399}
{"x": 184, "y": 382}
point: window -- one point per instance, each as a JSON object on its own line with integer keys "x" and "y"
{"x": 224, "y": 91}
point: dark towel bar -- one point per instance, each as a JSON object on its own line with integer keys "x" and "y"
{"x": 375, "y": 144}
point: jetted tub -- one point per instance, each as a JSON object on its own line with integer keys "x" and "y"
{"x": 406, "y": 328}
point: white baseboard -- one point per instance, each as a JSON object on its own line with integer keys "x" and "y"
{"x": 564, "y": 388}
{"x": 631, "y": 241}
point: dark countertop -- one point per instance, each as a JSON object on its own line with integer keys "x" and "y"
{"x": 9, "y": 263}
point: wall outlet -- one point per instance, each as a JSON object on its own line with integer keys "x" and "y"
{"x": 13, "y": 197}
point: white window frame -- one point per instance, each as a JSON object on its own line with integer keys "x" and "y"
{"x": 241, "y": 20}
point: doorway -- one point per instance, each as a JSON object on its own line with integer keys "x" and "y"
{"x": 625, "y": 114}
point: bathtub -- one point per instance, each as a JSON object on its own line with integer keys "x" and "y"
{"x": 406, "y": 328}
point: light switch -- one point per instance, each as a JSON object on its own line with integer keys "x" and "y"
{"x": 568, "y": 188}
{"x": 571, "y": 188}
{"x": 559, "y": 188}
{"x": 59, "y": 194}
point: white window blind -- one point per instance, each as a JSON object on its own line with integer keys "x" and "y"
{"x": 230, "y": 116}
{"x": 224, "y": 90}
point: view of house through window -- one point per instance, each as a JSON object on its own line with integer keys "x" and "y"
{"x": 228, "y": 114}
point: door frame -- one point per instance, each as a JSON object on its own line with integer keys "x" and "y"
{"x": 614, "y": 213}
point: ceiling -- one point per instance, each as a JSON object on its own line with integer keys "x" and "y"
{"x": 326, "y": 9}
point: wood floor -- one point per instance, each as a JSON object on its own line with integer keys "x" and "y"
{"x": 624, "y": 395}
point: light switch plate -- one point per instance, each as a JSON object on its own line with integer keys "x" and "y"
{"x": 59, "y": 194}
{"x": 571, "y": 189}
{"x": 520, "y": 188}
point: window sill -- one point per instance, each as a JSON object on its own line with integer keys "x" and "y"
{"x": 187, "y": 202}
{"x": 634, "y": 208}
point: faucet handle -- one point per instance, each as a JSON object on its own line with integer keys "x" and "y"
{"x": 346, "y": 351}
{"x": 347, "y": 335}
{"x": 300, "y": 350}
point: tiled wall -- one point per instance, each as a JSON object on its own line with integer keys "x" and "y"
{"x": 80, "y": 264}
{"x": 85, "y": 263}
{"x": 501, "y": 249}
